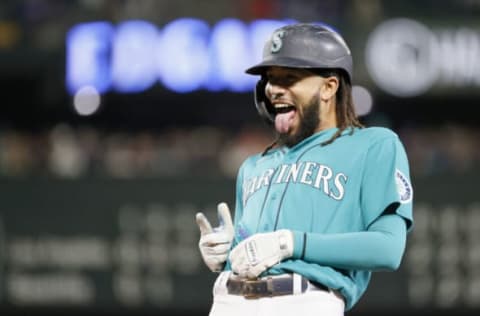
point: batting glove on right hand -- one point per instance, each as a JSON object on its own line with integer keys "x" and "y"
{"x": 215, "y": 242}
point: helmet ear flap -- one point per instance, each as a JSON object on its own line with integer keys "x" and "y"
{"x": 263, "y": 105}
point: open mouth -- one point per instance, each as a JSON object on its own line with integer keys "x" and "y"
{"x": 284, "y": 118}
{"x": 283, "y": 108}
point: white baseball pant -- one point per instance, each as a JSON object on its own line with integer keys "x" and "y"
{"x": 313, "y": 301}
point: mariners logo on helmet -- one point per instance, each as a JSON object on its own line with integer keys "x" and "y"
{"x": 277, "y": 41}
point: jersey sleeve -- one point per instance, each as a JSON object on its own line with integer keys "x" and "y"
{"x": 386, "y": 186}
{"x": 360, "y": 250}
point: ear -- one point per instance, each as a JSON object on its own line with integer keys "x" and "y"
{"x": 329, "y": 88}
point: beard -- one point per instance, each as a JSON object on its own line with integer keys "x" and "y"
{"x": 309, "y": 121}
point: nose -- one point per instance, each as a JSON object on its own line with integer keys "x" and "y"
{"x": 273, "y": 91}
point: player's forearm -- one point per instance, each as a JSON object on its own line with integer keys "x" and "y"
{"x": 356, "y": 250}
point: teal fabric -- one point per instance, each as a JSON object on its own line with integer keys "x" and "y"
{"x": 349, "y": 203}
{"x": 380, "y": 248}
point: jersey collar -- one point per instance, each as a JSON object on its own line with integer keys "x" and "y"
{"x": 315, "y": 139}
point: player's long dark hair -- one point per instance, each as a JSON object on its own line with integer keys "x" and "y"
{"x": 346, "y": 116}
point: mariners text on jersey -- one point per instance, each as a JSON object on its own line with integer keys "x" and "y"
{"x": 314, "y": 174}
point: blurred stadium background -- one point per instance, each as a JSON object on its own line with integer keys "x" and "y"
{"x": 120, "y": 119}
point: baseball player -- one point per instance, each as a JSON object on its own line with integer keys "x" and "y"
{"x": 320, "y": 209}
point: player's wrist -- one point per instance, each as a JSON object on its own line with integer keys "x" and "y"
{"x": 299, "y": 239}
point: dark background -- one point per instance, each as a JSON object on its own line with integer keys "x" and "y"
{"x": 123, "y": 185}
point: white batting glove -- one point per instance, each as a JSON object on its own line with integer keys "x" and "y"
{"x": 261, "y": 251}
{"x": 215, "y": 242}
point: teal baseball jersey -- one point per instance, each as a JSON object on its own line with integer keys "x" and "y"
{"x": 333, "y": 189}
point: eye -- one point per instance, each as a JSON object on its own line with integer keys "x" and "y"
{"x": 283, "y": 80}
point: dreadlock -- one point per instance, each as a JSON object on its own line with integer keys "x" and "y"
{"x": 346, "y": 117}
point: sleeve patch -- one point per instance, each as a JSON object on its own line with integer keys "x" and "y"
{"x": 404, "y": 188}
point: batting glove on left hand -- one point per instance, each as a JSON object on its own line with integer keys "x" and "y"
{"x": 261, "y": 251}
{"x": 215, "y": 242}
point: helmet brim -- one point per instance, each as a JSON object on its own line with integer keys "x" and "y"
{"x": 289, "y": 62}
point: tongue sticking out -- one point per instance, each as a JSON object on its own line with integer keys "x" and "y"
{"x": 283, "y": 121}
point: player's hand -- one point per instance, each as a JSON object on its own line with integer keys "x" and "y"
{"x": 261, "y": 251}
{"x": 215, "y": 242}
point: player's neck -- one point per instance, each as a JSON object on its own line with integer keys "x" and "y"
{"x": 328, "y": 116}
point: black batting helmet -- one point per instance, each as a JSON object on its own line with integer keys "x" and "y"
{"x": 303, "y": 45}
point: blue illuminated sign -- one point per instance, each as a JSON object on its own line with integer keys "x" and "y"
{"x": 186, "y": 55}
{"x": 132, "y": 61}
{"x": 88, "y": 56}
{"x": 182, "y": 55}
